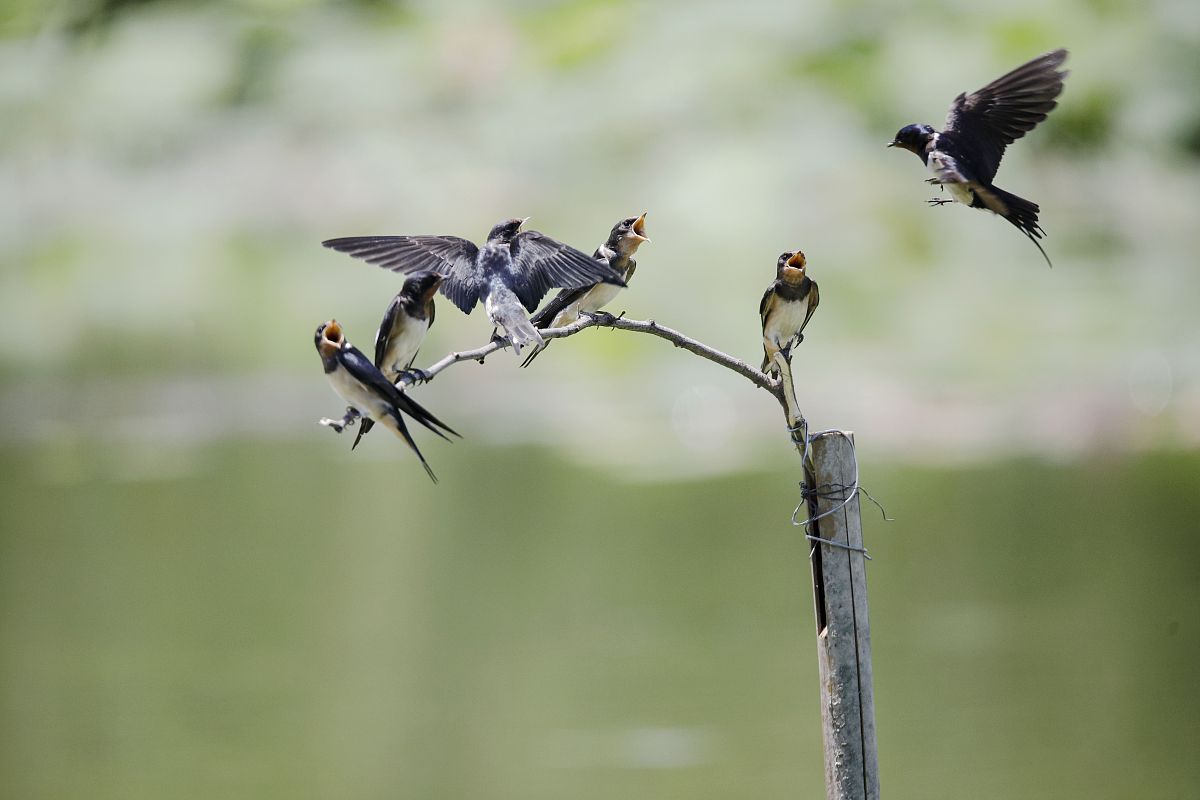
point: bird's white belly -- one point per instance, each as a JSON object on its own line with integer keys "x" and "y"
{"x": 594, "y": 299}
{"x": 598, "y": 297}
{"x": 357, "y": 396}
{"x": 784, "y": 324}
{"x": 961, "y": 192}
{"x": 945, "y": 169}
{"x": 403, "y": 348}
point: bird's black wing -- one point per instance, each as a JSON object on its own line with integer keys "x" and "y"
{"x": 990, "y": 119}
{"x": 385, "y": 330}
{"x": 764, "y": 305}
{"x": 544, "y": 318}
{"x": 814, "y": 299}
{"x": 446, "y": 255}
{"x": 541, "y": 264}
{"x": 369, "y": 375}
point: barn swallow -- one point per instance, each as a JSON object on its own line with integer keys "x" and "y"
{"x": 511, "y": 273}
{"x": 965, "y": 155}
{"x": 617, "y": 251}
{"x": 370, "y": 395}
{"x": 786, "y": 307}
{"x": 408, "y": 318}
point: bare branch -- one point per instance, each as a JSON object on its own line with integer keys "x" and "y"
{"x": 604, "y": 320}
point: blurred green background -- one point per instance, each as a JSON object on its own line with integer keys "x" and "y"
{"x": 205, "y": 594}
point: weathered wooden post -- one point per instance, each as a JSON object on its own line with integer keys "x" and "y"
{"x": 839, "y": 562}
{"x": 843, "y": 628}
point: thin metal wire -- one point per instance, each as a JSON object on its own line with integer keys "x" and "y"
{"x": 829, "y": 492}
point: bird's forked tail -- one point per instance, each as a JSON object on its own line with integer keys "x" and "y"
{"x": 1022, "y": 213}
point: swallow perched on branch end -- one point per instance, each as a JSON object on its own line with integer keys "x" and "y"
{"x": 965, "y": 155}
{"x": 510, "y": 274}
{"x": 368, "y": 392}
{"x": 786, "y": 307}
{"x": 617, "y": 252}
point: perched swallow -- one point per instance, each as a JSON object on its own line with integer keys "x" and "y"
{"x": 408, "y": 318}
{"x": 511, "y": 273}
{"x": 369, "y": 393}
{"x": 617, "y": 252}
{"x": 965, "y": 156}
{"x": 786, "y": 307}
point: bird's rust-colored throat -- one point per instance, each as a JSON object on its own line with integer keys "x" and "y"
{"x": 793, "y": 268}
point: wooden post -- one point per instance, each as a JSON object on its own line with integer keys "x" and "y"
{"x": 843, "y": 632}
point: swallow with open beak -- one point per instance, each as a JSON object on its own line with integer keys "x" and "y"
{"x": 402, "y": 332}
{"x": 617, "y": 251}
{"x": 368, "y": 393}
{"x": 511, "y": 273}
{"x": 965, "y": 155}
{"x": 786, "y": 307}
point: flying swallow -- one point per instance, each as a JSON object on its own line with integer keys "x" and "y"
{"x": 408, "y": 318}
{"x": 369, "y": 393}
{"x": 617, "y": 252}
{"x": 965, "y": 155}
{"x": 511, "y": 273}
{"x": 786, "y": 307}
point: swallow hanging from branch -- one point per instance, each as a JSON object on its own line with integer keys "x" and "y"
{"x": 786, "y": 307}
{"x": 510, "y": 274}
{"x": 368, "y": 393}
{"x": 965, "y": 155}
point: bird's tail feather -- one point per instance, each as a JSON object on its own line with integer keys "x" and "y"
{"x": 537, "y": 351}
{"x": 424, "y": 416}
{"x": 395, "y": 422}
{"x": 1023, "y": 214}
{"x": 364, "y": 427}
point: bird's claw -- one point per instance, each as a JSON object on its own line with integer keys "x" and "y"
{"x": 939, "y": 201}
{"x": 412, "y": 376}
{"x": 340, "y": 425}
{"x": 600, "y": 317}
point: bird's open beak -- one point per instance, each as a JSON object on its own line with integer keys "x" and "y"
{"x": 331, "y": 339}
{"x": 797, "y": 261}
{"x": 892, "y": 143}
{"x": 525, "y": 220}
{"x": 333, "y": 332}
{"x": 639, "y": 228}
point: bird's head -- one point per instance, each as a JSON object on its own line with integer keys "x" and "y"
{"x": 424, "y": 285}
{"x": 628, "y": 234}
{"x": 914, "y": 138}
{"x": 791, "y": 266}
{"x": 329, "y": 339}
{"x": 504, "y": 231}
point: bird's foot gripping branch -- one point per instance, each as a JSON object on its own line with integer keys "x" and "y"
{"x": 339, "y": 425}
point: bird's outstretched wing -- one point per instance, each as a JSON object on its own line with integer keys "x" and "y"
{"x": 541, "y": 264}
{"x": 446, "y": 255}
{"x": 1006, "y": 109}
